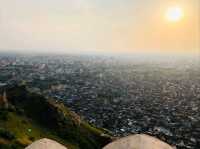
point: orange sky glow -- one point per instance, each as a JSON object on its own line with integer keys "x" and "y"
{"x": 99, "y": 26}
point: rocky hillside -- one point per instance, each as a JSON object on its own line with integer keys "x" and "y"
{"x": 26, "y": 117}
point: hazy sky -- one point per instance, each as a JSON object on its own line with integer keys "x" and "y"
{"x": 98, "y": 26}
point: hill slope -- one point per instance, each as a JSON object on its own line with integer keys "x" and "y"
{"x": 29, "y": 117}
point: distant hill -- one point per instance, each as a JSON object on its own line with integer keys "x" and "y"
{"x": 26, "y": 117}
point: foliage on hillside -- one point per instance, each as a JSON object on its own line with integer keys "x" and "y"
{"x": 31, "y": 117}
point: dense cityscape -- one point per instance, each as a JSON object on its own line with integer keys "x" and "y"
{"x": 125, "y": 96}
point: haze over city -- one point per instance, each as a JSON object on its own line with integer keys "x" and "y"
{"x": 100, "y": 26}
{"x": 99, "y": 74}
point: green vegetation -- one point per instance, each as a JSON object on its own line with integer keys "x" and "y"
{"x": 6, "y": 134}
{"x": 33, "y": 117}
{"x": 25, "y": 131}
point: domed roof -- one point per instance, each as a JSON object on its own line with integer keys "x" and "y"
{"x": 138, "y": 142}
{"x": 45, "y": 144}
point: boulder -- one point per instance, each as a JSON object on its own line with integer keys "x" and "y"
{"x": 45, "y": 144}
{"x": 138, "y": 142}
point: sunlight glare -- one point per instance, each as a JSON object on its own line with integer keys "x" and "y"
{"x": 174, "y": 14}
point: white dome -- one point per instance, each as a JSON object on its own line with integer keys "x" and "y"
{"x": 45, "y": 144}
{"x": 138, "y": 142}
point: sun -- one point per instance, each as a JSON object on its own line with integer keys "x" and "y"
{"x": 174, "y": 14}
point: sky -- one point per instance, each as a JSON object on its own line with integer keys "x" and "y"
{"x": 98, "y": 26}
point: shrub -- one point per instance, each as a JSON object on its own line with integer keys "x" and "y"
{"x": 5, "y": 146}
{"x": 3, "y": 115}
{"x": 10, "y": 146}
{"x": 6, "y": 134}
{"x": 31, "y": 138}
